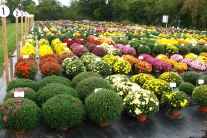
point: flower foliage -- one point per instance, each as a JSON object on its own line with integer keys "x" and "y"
{"x": 15, "y": 111}
{"x": 171, "y": 77}
{"x": 141, "y": 102}
{"x": 199, "y": 95}
{"x": 122, "y": 67}
{"x": 175, "y": 100}
{"x": 141, "y": 78}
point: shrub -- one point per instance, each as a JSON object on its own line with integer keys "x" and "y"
{"x": 63, "y": 111}
{"x": 19, "y": 114}
{"x": 22, "y": 83}
{"x": 144, "y": 50}
{"x": 186, "y": 87}
{"x": 183, "y": 50}
{"x": 158, "y": 49}
{"x": 83, "y": 75}
{"x": 52, "y": 89}
{"x": 171, "y": 77}
{"x": 199, "y": 95}
{"x": 55, "y": 79}
{"x": 191, "y": 77}
{"x": 104, "y": 106}
{"x": 87, "y": 86}
{"x": 196, "y": 50}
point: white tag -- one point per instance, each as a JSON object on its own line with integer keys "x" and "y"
{"x": 57, "y": 39}
{"x": 128, "y": 45}
{"x": 195, "y": 56}
{"x": 140, "y": 57}
{"x": 135, "y": 88}
{"x": 66, "y": 49}
{"x": 65, "y": 44}
{"x": 81, "y": 45}
{"x": 200, "y": 81}
{"x": 19, "y": 94}
{"x": 159, "y": 57}
{"x": 98, "y": 59}
{"x": 172, "y": 84}
{"x": 25, "y": 56}
{"x": 97, "y": 89}
{"x": 182, "y": 44}
{"x": 120, "y": 58}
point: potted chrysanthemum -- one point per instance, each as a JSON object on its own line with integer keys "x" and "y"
{"x": 140, "y": 103}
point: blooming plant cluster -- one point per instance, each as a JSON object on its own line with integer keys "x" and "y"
{"x": 88, "y": 58}
{"x": 28, "y": 49}
{"x": 49, "y": 65}
{"x": 175, "y": 100}
{"x": 156, "y": 63}
{"x": 117, "y": 78}
{"x": 157, "y": 86}
{"x": 110, "y": 49}
{"x": 26, "y": 68}
{"x": 141, "y": 102}
{"x": 141, "y": 78}
{"x": 123, "y": 88}
{"x": 125, "y": 49}
{"x": 110, "y": 59}
{"x": 44, "y": 49}
{"x": 171, "y": 49}
{"x": 59, "y": 48}
{"x": 78, "y": 49}
{"x": 181, "y": 66}
{"x": 73, "y": 66}
{"x": 122, "y": 67}
{"x": 171, "y": 77}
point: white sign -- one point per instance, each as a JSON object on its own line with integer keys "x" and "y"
{"x": 25, "y": 56}
{"x": 98, "y": 59}
{"x": 66, "y": 49}
{"x": 65, "y": 44}
{"x": 200, "y": 81}
{"x": 120, "y": 58}
{"x": 97, "y": 89}
{"x": 4, "y": 11}
{"x": 16, "y": 13}
{"x": 165, "y": 19}
{"x": 140, "y": 57}
{"x": 172, "y": 84}
{"x": 19, "y": 94}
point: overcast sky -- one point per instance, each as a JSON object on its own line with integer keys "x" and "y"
{"x": 64, "y": 2}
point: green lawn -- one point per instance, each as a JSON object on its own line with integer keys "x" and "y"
{"x": 11, "y": 42}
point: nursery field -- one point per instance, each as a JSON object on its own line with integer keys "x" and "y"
{"x": 102, "y": 79}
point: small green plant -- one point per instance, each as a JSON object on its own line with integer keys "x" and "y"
{"x": 55, "y": 79}
{"x": 104, "y": 106}
{"x": 51, "y": 90}
{"x": 143, "y": 49}
{"x": 19, "y": 114}
{"x": 183, "y": 50}
{"x": 87, "y": 86}
{"x": 22, "y": 83}
{"x": 196, "y": 50}
{"x": 63, "y": 111}
{"x": 186, "y": 87}
{"x": 158, "y": 49}
{"x": 191, "y": 77}
{"x": 199, "y": 95}
{"x": 84, "y": 75}
{"x": 175, "y": 100}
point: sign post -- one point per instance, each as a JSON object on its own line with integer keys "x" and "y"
{"x": 4, "y": 12}
{"x": 16, "y": 14}
{"x": 165, "y": 19}
{"x": 22, "y": 27}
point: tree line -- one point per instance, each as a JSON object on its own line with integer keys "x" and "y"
{"x": 192, "y": 13}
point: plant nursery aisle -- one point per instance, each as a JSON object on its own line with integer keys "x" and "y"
{"x": 191, "y": 124}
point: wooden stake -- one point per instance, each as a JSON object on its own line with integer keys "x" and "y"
{"x": 22, "y": 29}
{"x": 17, "y": 37}
{"x": 6, "y": 59}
